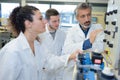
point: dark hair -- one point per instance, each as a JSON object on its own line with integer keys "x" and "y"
{"x": 82, "y": 6}
{"x": 18, "y": 17}
{"x": 51, "y": 12}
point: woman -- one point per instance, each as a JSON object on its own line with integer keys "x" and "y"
{"x": 24, "y": 58}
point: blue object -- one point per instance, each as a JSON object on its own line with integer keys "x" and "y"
{"x": 87, "y": 44}
{"x": 102, "y": 65}
{"x": 87, "y": 74}
{"x": 90, "y": 75}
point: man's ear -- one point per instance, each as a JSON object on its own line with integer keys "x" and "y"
{"x": 27, "y": 23}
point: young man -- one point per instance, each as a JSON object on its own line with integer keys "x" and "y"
{"x": 54, "y": 39}
{"x": 84, "y": 36}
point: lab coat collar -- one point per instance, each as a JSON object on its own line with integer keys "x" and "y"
{"x": 23, "y": 41}
{"x": 81, "y": 33}
{"x": 47, "y": 28}
{"x": 48, "y": 33}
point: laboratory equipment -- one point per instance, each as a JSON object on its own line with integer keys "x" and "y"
{"x": 86, "y": 69}
{"x": 112, "y": 36}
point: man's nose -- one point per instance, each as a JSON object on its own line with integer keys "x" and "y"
{"x": 86, "y": 18}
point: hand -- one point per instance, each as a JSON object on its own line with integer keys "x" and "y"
{"x": 74, "y": 54}
{"x": 93, "y": 34}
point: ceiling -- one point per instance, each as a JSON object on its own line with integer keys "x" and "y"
{"x": 90, "y": 1}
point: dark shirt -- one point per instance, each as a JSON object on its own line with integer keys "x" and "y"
{"x": 86, "y": 44}
{"x": 53, "y": 34}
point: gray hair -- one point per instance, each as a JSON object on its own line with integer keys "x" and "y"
{"x": 82, "y": 6}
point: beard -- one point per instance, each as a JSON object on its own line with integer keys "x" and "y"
{"x": 53, "y": 28}
{"x": 86, "y": 24}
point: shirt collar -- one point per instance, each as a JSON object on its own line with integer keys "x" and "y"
{"x": 85, "y": 31}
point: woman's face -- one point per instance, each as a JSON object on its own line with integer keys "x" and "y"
{"x": 38, "y": 23}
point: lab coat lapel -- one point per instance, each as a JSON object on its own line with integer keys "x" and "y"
{"x": 24, "y": 44}
{"x": 49, "y": 39}
{"x": 57, "y": 35}
{"x": 27, "y": 51}
{"x": 48, "y": 34}
{"x": 79, "y": 32}
{"x": 90, "y": 30}
{"x": 23, "y": 41}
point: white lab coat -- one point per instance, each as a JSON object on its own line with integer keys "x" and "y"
{"x": 75, "y": 39}
{"x": 55, "y": 47}
{"x": 17, "y": 61}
